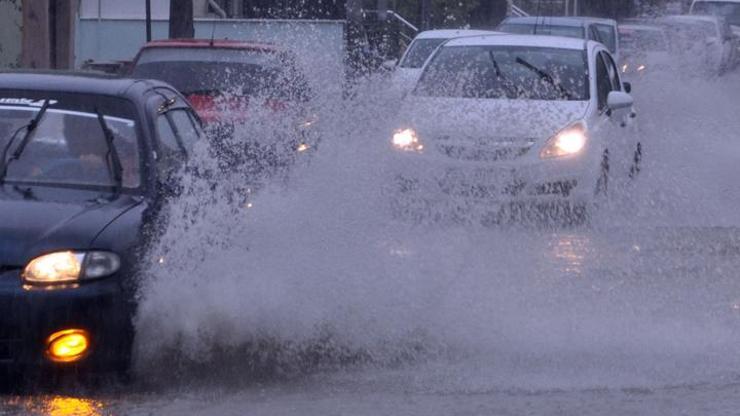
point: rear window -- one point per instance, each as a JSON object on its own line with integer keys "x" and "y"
{"x": 210, "y": 71}
{"x": 642, "y": 40}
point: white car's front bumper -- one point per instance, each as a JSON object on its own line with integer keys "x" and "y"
{"x": 438, "y": 184}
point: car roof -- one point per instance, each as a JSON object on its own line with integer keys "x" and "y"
{"x": 520, "y": 40}
{"x": 212, "y": 43}
{"x": 574, "y": 21}
{"x": 451, "y": 33}
{"x": 717, "y": 1}
{"x": 78, "y": 82}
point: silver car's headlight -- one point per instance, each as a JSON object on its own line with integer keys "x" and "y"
{"x": 70, "y": 267}
{"x": 567, "y": 142}
{"x": 407, "y": 140}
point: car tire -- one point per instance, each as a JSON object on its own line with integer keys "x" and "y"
{"x": 636, "y": 162}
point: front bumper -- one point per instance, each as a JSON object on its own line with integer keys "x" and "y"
{"x": 440, "y": 188}
{"x": 29, "y": 316}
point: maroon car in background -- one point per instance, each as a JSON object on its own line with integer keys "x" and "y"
{"x": 207, "y": 70}
{"x": 228, "y": 82}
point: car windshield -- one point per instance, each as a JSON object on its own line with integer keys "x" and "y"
{"x": 642, "y": 40}
{"x": 506, "y": 72}
{"x": 419, "y": 52}
{"x": 215, "y": 70}
{"x": 542, "y": 29}
{"x": 69, "y": 147}
{"x": 729, "y": 10}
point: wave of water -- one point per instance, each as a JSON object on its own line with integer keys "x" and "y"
{"x": 314, "y": 271}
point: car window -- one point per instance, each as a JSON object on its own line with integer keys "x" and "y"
{"x": 210, "y": 72}
{"x": 603, "y": 83}
{"x": 69, "y": 146}
{"x": 593, "y": 34}
{"x": 185, "y": 128}
{"x": 607, "y": 36}
{"x": 611, "y": 68}
{"x": 167, "y": 137}
{"x": 419, "y": 51}
{"x": 506, "y": 72}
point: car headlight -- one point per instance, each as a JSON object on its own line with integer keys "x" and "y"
{"x": 70, "y": 267}
{"x": 567, "y": 142}
{"x": 407, "y": 140}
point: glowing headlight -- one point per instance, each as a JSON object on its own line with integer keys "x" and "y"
{"x": 70, "y": 267}
{"x": 308, "y": 121}
{"x": 407, "y": 140}
{"x": 641, "y": 68}
{"x": 567, "y": 142}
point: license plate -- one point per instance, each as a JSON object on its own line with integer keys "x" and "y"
{"x": 474, "y": 183}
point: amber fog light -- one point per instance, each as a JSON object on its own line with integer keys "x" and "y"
{"x": 68, "y": 346}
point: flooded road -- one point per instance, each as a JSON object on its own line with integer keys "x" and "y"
{"x": 637, "y": 312}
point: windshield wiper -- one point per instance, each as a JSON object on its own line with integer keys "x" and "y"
{"x": 30, "y": 128}
{"x": 545, "y": 77}
{"x": 111, "y": 158}
{"x": 513, "y": 88}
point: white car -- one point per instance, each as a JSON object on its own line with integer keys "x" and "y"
{"x": 410, "y": 65}
{"x": 729, "y": 9}
{"x": 645, "y": 49}
{"x": 708, "y": 40}
{"x": 591, "y": 28}
{"x": 514, "y": 118}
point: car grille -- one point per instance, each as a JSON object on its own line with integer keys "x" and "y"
{"x": 483, "y": 149}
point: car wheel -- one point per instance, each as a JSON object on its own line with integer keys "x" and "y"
{"x": 602, "y": 183}
{"x": 636, "y": 162}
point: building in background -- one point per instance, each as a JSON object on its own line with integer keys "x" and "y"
{"x": 11, "y": 24}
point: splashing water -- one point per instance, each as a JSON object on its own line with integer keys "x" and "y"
{"x": 314, "y": 269}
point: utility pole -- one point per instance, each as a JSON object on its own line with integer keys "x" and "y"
{"x": 426, "y": 12}
{"x": 148, "y": 20}
{"x": 181, "y": 19}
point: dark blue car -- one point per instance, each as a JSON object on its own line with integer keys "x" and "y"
{"x": 85, "y": 163}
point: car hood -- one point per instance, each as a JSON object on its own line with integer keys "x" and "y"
{"x": 53, "y": 219}
{"x": 532, "y": 119}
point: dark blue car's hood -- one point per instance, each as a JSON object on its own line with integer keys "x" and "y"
{"x": 52, "y": 219}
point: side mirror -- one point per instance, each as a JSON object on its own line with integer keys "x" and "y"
{"x": 627, "y": 87}
{"x": 390, "y": 64}
{"x": 617, "y": 100}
